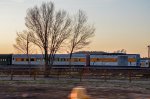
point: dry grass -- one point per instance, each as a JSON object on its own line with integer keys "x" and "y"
{"x": 60, "y": 89}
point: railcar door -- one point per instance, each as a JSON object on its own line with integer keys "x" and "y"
{"x": 122, "y": 60}
{"x": 87, "y": 60}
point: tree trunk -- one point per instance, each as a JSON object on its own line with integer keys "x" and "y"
{"x": 46, "y": 63}
{"x": 70, "y": 57}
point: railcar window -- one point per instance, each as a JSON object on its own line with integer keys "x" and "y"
{"x": 65, "y": 59}
{"x": 76, "y": 60}
{"x": 32, "y": 59}
{"x": 22, "y": 59}
{"x": 79, "y": 59}
{"x": 41, "y": 59}
{"x": 38, "y": 59}
{"x": 55, "y": 59}
{"x": 59, "y": 59}
{"x": 27, "y": 59}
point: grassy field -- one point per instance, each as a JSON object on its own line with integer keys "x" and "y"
{"x": 60, "y": 89}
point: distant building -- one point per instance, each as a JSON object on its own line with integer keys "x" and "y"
{"x": 99, "y": 53}
{"x": 90, "y": 52}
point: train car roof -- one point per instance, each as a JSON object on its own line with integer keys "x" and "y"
{"x": 114, "y": 54}
{"x": 42, "y": 55}
{"x": 5, "y": 55}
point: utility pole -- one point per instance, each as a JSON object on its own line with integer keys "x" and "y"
{"x": 148, "y": 51}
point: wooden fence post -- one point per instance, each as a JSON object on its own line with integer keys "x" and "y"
{"x": 81, "y": 74}
{"x": 34, "y": 75}
{"x": 105, "y": 76}
{"x": 130, "y": 78}
{"x": 11, "y": 76}
{"x": 58, "y": 73}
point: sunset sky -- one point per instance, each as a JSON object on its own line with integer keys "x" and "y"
{"x": 120, "y": 24}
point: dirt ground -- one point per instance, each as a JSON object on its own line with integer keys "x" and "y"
{"x": 60, "y": 89}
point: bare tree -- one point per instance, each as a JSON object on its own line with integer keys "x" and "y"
{"x": 61, "y": 30}
{"x": 81, "y": 33}
{"x": 23, "y": 44}
{"x": 50, "y": 28}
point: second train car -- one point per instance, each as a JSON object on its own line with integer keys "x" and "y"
{"x": 108, "y": 59}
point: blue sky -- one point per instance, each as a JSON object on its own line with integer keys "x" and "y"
{"x": 120, "y": 24}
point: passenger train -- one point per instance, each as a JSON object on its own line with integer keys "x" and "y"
{"x": 82, "y": 59}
